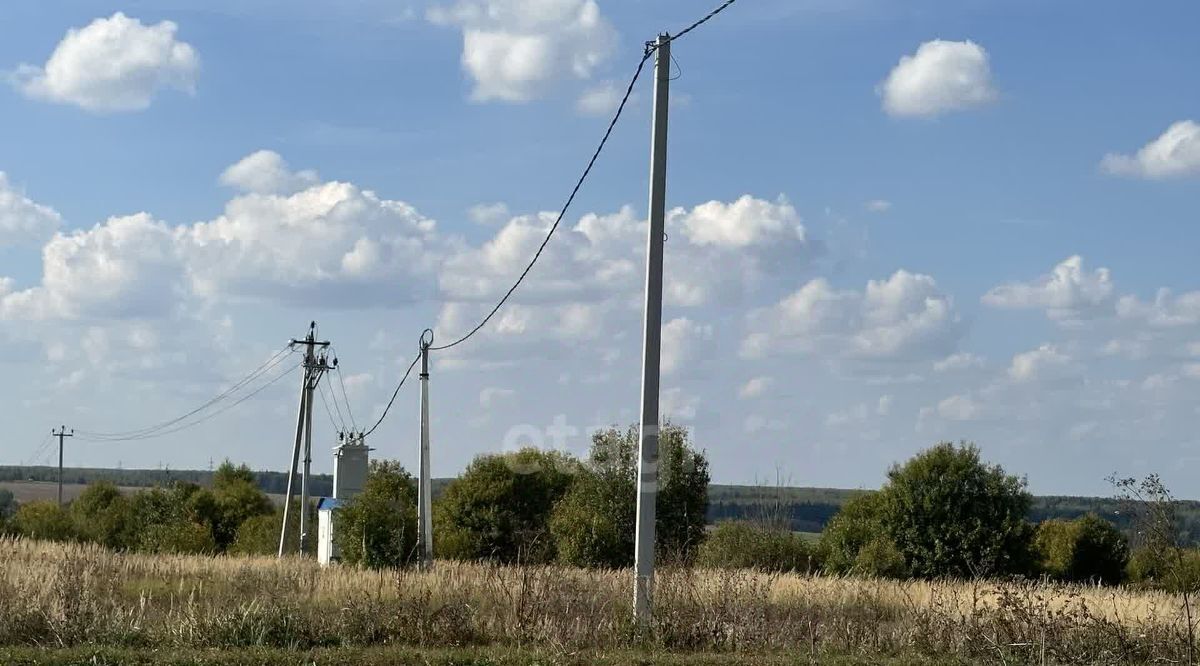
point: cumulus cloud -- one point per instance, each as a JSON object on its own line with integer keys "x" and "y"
{"x": 332, "y": 242}
{"x": 959, "y": 408}
{"x": 1068, "y": 292}
{"x": 903, "y": 318}
{"x": 266, "y": 172}
{"x": 682, "y": 339}
{"x": 600, "y": 100}
{"x": 21, "y": 218}
{"x": 942, "y": 76}
{"x": 113, "y": 64}
{"x": 515, "y": 50}
{"x": 959, "y": 361}
{"x": 755, "y": 387}
{"x": 1044, "y": 363}
{"x": 1166, "y": 311}
{"x": 878, "y": 206}
{"x": 125, "y": 267}
{"x": 1174, "y": 154}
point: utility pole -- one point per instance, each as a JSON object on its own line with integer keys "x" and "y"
{"x": 425, "y": 489}
{"x": 62, "y": 432}
{"x": 651, "y": 349}
{"x": 315, "y": 365}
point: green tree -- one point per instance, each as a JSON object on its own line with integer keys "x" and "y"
{"x": 378, "y": 527}
{"x": 744, "y": 545}
{"x": 260, "y": 535}
{"x": 854, "y": 541}
{"x": 594, "y": 523}
{"x": 499, "y": 509}
{"x": 103, "y": 515}
{"x": 950, "y": 514}
{"x": 236, "y": 499}
{"x": 1086, "y": 549}
{"x": 43, "y": 520}
{"x": 172, "y": 520}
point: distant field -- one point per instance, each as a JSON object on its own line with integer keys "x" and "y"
{"x": 33, "y": 491}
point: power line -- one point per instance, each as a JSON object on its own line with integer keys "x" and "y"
{"x": 394, "y": 394}
{"x": 37, "y": 452}
{"x": 708, "y": 17}
{"x": 562, "y": 212}
{"x": 332, "y": 422}
{"x": 650, "y": 48}
{"x": 269, "y": 364}
{"x": 346, "y": 397}
{"x": 206, "y": 417}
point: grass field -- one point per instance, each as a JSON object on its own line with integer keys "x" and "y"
{"x": 64, "y": 602}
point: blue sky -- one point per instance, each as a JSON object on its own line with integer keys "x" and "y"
{"x": 895, "y": 223}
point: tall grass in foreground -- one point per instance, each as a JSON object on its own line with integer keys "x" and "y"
{"x": 55, "y": 594}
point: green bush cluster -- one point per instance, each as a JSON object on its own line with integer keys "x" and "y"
{"x": 184, "y": 518}
{"x": 745, "y": 545}
{"x": 1088, "y": 549}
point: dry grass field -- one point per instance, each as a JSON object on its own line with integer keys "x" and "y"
{"x": 77, "y": 598}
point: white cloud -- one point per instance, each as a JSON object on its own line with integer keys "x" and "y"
{"x": 515, "y": 50}
{"x": 1174, "y": 154}
{"x": 884, "y": 406}
{"x": 600, "y": 100}
{"x": 878, "y": 205}
{"x": 959, "y": 408}
{"x": 747, "y": 221}
{"x": 679, "y": 406}
{"x": 682, "y": 339}
{"x": 488, "y": 214}
{"x": 1044, "y": 363}
{"x": 1069, "y": 292}
{"x": 959, "y": 361}
{"x": 755, "y": 387}
{"x": 902, "y": 318}
{"x": 1166, "y": 311}
{"x": 492, "y": 397}
{"x": 21, "y": 218}
{"x": 332, "y": 243}
{"x": 266, "y": 172}
{"x": 942, "y": 76}
{"x": 126, "y": 267}
{"x": 113, "y": 64}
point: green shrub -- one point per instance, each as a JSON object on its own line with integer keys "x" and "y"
{"x": 1173, "y": 570}
{"x": 378, "y": 527}
{"x": 1086, "y": 549}
{"x": 743, "y": 545}
{"x": 880, "y": 558}
{"x": 182, "y": 537}
{"x": 43, "y": 520}
{"x": 594, "y": 523}
{"x": 103, "y": 515}
{"x": 857, "y": 523}
{"x": 499, "y": 509}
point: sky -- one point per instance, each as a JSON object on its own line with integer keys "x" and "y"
{"x": 890, "y": 224}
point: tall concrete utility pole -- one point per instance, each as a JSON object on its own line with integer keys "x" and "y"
{"x": 315, "y": 365}
{"x": 62, "y": 432}
{"x": 648, "y": 439}
{"x": 425, "y": 489}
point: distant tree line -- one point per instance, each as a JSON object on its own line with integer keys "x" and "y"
{"x": 943, "y": 513}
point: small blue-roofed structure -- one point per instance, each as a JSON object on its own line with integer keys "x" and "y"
{"x": 350, "y": 465}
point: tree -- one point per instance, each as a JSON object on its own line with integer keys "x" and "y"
{"x": 172, "y": 520}
{"x": 499, "y": 509}
{"x": 103, "y": 515}
{"x": 855, "y": 542}
{"x": 43, "y": 520}
{"x": 950, "y": 514}
{"x": 594, "y": 523}
{"x": 744, "y": 545}
{"x": 236, "y": 499}
{"x": 1086, "y": 549}
{"x": 378, "y": 527}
